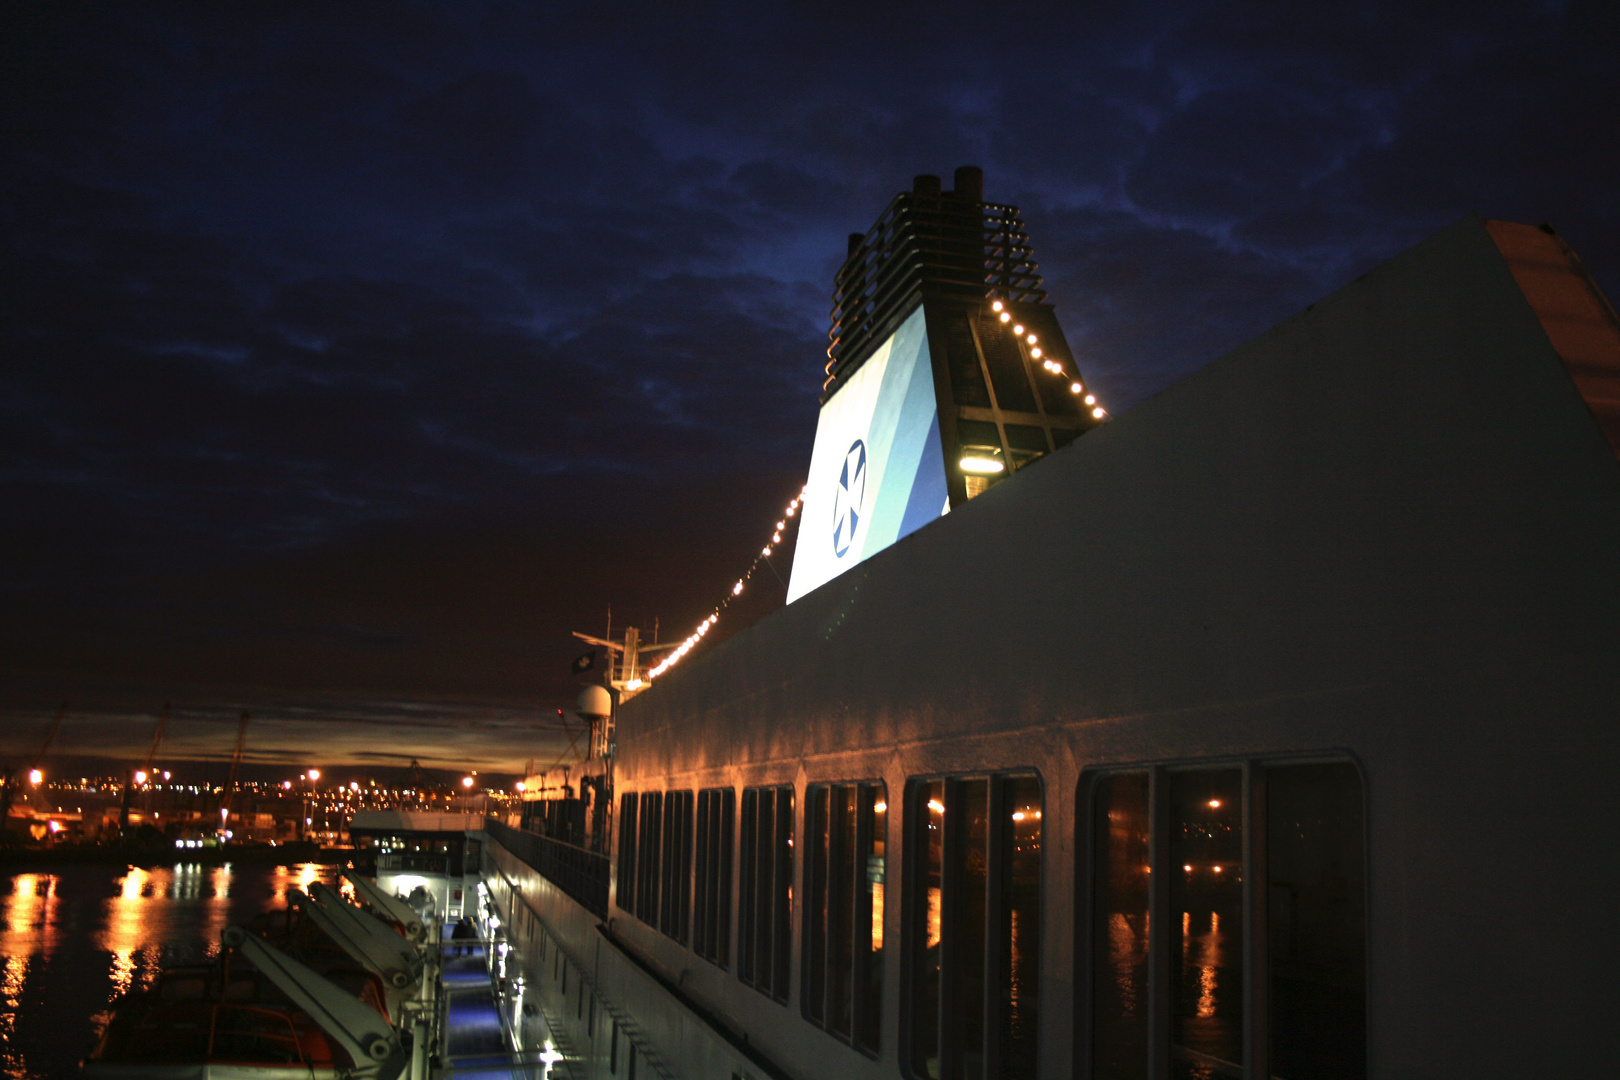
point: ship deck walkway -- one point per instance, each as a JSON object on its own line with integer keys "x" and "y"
{"x": 481, "y": 1037}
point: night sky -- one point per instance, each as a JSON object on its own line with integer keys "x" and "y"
{"x": 352, "y": 355}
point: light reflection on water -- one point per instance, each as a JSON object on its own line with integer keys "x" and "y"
{"x": 73, "y": 938}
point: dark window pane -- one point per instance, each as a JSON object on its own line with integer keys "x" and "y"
{"x": 782, "y": 902}
{"x": 764, "y": 954}
{"x": 671, "y": 844}
{"x": 1058, "y": 401}
{"x": 722, "y": 923}
{"x": 968, "y": 825}
{"x": 1026, "y": 437}
{"x": 1119, "y": 927}
{"x": 1021, "y": 907}
{"x": 841, "y": 909}
{"x": 627, "y": 853}
{"x": 676, "y": 873}
{"x": 980, "y": 435}
{"x": 815, "y": 911}
{"x": 1206, "y": 899}
{"x": 1025, "y": 443}
{"x": 702, "y": 905}
{"x": 1316, "y": 865}
{"x": 1006, "y": 363}
{"x": 967, "y": 379}
{"x": 926, "y": 821}
{"x": 745, "y": 907}
{"x": 684, "y": 915}
{"x": 872, "y": 841}
{"x": 652, "y": 823}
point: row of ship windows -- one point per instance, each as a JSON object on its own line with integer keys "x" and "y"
{"x": 1225, "y": 905}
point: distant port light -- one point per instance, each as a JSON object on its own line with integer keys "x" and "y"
{"x": 982, "y": 466}
{"x": 35, "y": 777}
{"x": 140, "y": 776}
{"x": 314, "y": 774}
{"x": 1214, "y": 804}
{"x": 466, "y": 781}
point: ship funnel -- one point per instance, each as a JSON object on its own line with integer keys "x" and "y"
{"x": 970, "y": 183}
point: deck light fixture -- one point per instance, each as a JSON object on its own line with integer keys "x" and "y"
{"x": 982, "y": 466}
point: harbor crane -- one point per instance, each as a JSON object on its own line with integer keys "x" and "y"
{"x": 144, "y": 773}
{"x": 34, "y": 776}
{"x": 229, "y": 794}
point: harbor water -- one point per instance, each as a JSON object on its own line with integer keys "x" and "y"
{"x": 75, "y": 937}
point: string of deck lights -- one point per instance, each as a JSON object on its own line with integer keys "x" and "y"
{"x": 1026, "y": 340}
{"x": 1031, "y": 342}
{"x": 692, "y": 639}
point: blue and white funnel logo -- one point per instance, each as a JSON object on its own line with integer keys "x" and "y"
{"x": 848, "y": 500}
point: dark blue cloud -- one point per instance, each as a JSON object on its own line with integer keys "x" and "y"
{"x": 366, "y": 351}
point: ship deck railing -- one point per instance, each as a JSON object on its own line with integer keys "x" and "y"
{"x": 578, "y": 872}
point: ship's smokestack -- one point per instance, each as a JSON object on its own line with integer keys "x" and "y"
{"x": 970, "y": 183}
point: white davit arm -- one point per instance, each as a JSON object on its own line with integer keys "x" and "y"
{"x": 386, "y": 966}
{"x": 392, "y": 906}
{"x": 357, "y": 1027}
{"x": 378, "y": 936}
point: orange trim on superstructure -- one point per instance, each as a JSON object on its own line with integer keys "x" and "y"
{"x": 1579, "y": 320}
